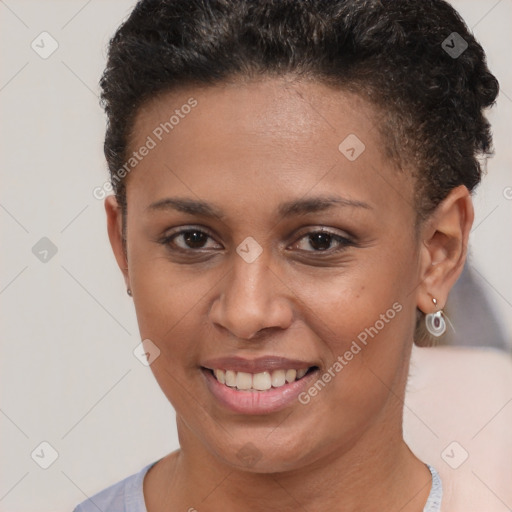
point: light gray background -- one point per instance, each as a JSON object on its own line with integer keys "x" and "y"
{"x": 69, "y": 376}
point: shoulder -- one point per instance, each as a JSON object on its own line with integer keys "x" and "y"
{"x": 126, "y": 494}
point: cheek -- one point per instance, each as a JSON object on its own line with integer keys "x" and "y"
{"x": 168, "y": 306}
{"x": 363, "y": 335}
{"x": 363, "y": 319}
{"x": 342, "y": 306}
{"x": 167, "y": 314}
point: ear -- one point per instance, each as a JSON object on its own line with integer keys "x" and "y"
{"x": 443, "y": 250}
{"x": 115, "y": 234}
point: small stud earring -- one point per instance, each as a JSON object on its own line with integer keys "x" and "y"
{"x": 129, "y": 291}
{"x": 435, "y": 322}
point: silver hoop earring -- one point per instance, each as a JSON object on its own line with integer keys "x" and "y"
{"x": 129, "y": 291}
{"x": 435, "y": 322}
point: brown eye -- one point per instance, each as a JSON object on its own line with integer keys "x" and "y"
{"x": 190, "y": 239}
{"x": 194, "y": 239}
{"x": 322, "y": 241}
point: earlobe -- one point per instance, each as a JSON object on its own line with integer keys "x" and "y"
{"x": 115, "y": 234}
{"x": 444, "y": 248}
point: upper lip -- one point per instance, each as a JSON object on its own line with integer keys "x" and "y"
{"x": 257, "y": 365}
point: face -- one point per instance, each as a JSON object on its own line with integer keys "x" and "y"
{"x": 256, "y": 244}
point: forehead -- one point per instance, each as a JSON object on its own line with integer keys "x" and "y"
{"x": 274, "y": 136}
{"x": 267, "y": 109}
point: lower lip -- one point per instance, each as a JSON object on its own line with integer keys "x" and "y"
{"x": 258, "y": 402}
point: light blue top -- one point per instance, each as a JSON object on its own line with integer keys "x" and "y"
{"x": 127, "y": 495}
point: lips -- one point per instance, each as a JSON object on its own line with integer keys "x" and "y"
{"x": 257, "y": 365}
{"x": 257, "y": 386}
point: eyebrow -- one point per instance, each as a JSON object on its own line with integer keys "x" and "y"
{"x": 287, "y": 209}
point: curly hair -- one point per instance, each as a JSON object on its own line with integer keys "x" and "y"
{"x": 394, "y": 53}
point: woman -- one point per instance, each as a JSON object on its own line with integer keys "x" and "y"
{"x": 292, "y": 206}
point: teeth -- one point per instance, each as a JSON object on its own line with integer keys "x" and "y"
{"x": 243, "y": 380}
{"x": 301, "y": 373}
{"x": 291, "y": 375}
{"x": 219, "y": 375}
{"x": 262, "y": 381}
{"x": 278, "y": 378}
{"x": 230, "y": 377}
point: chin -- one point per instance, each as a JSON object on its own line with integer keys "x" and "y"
{"x": 260, "y": 454}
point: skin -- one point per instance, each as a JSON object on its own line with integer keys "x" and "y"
{"x": 247, "y": 147}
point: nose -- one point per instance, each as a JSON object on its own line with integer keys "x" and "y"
{"x": 252, "y": 298}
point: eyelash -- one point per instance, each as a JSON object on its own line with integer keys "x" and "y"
{"x": 344, "y": 242}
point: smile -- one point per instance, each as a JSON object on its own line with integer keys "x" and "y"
{"x": 261, "y": 393}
